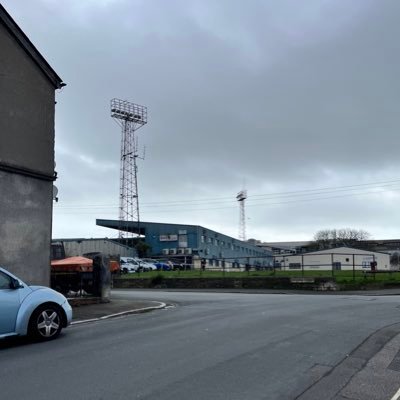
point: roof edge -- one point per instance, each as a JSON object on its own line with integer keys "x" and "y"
{"x": 29, "y": 48}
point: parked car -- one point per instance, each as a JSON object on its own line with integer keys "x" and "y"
{"x": 179, "y": 266}
{"x": 37, "y": 311}
{"x": 160, "y": 265}
{"x": 163, "y": 265}
{"x": 145, "y": 265}
{"x": 129, "y": 265}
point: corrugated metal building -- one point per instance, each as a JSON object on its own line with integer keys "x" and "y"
{"x": 62, "y": 248}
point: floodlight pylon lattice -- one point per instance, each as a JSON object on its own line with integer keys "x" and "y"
{"x": 241, "y": 197}
{"x": 130, "y": 117}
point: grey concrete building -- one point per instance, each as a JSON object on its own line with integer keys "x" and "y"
{"x": 27, "y": 104}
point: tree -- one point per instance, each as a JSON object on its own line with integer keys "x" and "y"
{"x": 329, "y": 238}
{"x": 142, "y": 248}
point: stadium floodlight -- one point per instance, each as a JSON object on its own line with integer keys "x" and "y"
{"x": 124, "y": 110}
{"x": 130, "y": 117}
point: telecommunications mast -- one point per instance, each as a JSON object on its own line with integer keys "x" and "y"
{"x": 130, "y": 117}
{"x": 241, "y": 197}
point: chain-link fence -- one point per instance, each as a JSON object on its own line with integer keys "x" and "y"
{"x": 346, "y": 265}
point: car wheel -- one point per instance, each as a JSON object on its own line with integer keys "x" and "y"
{"x": 45, "y": 322}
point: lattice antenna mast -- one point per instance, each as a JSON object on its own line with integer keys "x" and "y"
{"x": 130, "y": 117}
{"x": 241, "y": 197}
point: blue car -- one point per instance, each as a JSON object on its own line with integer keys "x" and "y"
{"x": 37, "y": 311}
{"x": 162, "y": 266}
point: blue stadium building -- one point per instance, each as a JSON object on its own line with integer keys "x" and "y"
{"x": 195, "y": 242}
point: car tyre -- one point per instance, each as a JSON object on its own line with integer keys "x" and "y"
{"x": 46, "y": 322}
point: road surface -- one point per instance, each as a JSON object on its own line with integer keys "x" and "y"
{"x": 204, "y": 346}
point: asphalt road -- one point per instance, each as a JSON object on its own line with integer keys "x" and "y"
{"x": 207, "y": 346}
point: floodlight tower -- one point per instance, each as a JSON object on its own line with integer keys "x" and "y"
{"x": 241, "y": 197}
{"x": 130, "y": 117}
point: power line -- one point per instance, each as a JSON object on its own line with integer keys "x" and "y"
{"x": 259, "y": 204}
{"x": 261, "y": 197}
{"x": 288, "y": 202}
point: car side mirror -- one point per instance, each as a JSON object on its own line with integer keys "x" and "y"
{"x": 16, "y": 284}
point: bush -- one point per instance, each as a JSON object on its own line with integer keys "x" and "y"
{"x": 157, "y": 280}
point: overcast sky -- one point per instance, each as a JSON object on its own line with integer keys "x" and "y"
{"x": 296, "y": 101}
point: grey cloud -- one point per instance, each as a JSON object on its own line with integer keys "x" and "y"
{"x": 279, "y": 94}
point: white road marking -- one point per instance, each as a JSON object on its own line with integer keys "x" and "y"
{"x": 135, "y": 311}
{"x": 396, "y": 396}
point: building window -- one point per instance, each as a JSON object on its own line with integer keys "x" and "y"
{"x": 183, "y": 241}
{"x": 294, "y": 266}
{"x": 203, "y": 239}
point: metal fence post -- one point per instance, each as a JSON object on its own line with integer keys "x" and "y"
{"x": 376, "y": 266}
{"x": 354, "y": 269}
{"x": 273, "y": 266}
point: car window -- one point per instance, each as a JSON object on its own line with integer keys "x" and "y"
{"x": 5, "y": 281}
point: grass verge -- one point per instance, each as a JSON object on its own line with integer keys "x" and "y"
{"x": 358, "y": 279}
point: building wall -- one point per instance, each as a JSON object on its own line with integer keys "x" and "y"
{"x": 25, "y": 228}
{"x": 214, "y": 245}
{"x": 27, "y": 143}
{"x": 174, "y": 239}
{"x": 170, "y": 236}
{"x": 27, "y": 112}
{"x": 323, "y": 260}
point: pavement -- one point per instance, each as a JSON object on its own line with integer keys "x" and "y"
{"x": 369, "y": 372}
{"x": 115, "y": 308}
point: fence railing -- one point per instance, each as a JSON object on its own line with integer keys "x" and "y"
{"x": 73, "y": 283}
{"x": 346, "y": 266}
